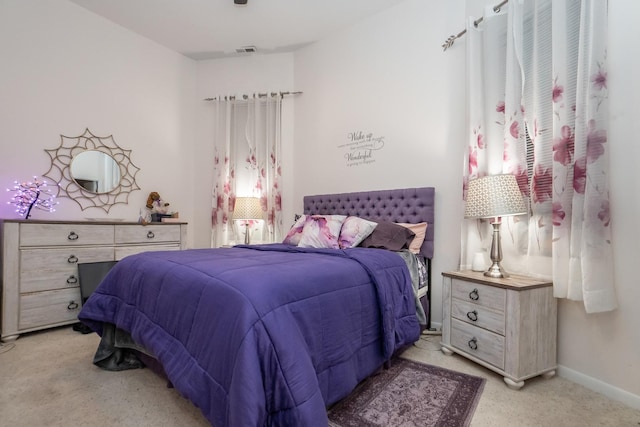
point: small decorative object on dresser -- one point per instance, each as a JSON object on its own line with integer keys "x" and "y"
{"x": 40, "y": 282}
{"x": 29, "y": 195}
{"x": 506, "y": 325}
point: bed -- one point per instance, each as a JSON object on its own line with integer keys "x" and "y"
{"x": 270, "y": 334}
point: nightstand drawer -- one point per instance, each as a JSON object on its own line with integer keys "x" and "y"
{"x": 49, "y": 308}
{"x": 478, "y": 342}
{"x": 487, "y": 296}
{"x": 478, "y": 315}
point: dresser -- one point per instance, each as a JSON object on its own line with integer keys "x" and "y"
{"x": 506, "y": 325}
{"x": 40, "y": 284}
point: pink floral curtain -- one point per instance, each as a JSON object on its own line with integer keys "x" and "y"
{"x": 538, "y": 109}
{"x": 247, "y": 155}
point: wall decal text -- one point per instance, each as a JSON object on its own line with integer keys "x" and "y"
{"x": 361, "y": 148}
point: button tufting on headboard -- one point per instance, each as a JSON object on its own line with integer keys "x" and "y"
{"x": 411, "y": 205}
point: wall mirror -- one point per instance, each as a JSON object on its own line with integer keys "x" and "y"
{"x": 96, "y": 171}
{"x": 92, "y": 170}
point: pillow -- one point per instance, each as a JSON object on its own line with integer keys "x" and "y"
{"x": 354, "y": 230}
{"x": 389, "y": 235}
{"x": 321, "y": 231}
{"x": 295, "y": 233}
{"x": 420, "y": 231}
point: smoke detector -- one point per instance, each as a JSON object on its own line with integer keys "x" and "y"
{"x": 246, "y": 49}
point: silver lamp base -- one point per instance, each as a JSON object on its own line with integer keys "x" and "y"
{"x": 246, "y": 234}
{"x": 496, "y": 271}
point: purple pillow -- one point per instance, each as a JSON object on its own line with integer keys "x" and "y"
{"x": 388, "y": 235}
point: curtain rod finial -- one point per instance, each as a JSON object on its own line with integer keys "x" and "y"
{"x": 449, "y": 43}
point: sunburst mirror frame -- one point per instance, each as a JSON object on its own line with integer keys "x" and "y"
{"x": 60, "y": 170}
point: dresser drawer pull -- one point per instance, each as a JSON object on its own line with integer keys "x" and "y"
{"x": 72, "y": 305}
{"x": 472, "y": 315}
{"x": 473, "y": 343}
{"x": 150, "y": 235}
{"x": 72, "y": 280}
{"x": 473, "y": 295}
{"x": 72, "y": 259}
{"x": 73, "y": 236}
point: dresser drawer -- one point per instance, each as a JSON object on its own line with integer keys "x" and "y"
{"x": 478, "y": 342}
{"x": 47, "y": 269}
{"x": 49, "y": 308}
{"x": 65, "y": 234}
{"x": 478, "y": 315}
{"x": 145, "y": 234}
{"x": 123, "y": 251}
{"x": 486, "y": 296}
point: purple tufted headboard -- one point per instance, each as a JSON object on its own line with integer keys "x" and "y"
{"x": 412, "y": 205}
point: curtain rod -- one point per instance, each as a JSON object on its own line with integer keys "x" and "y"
{"x": 447, "y": 44}
{"x": 258, "y": 95}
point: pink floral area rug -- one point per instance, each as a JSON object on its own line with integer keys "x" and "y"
{"x": 410, "y": 394}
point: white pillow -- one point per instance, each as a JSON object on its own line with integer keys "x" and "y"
{"x": 322, "y": 231}
{"x": 354, "y": 231}
{"x": 295, "y": 233}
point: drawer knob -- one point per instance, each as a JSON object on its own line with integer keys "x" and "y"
{"x": 73, "y": 305}
{"x": 72, "y": 280}
{"x": 474, "y": 295}
{"x": 72, "y": 259}
{"x": 472, "y": 315}
{"x": 73, "y": 236}
{"x": 150, "y": 235}
{"x": 473, "y": 343}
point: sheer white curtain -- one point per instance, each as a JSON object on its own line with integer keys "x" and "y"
{"x": 247, "y": 156}
{"x": 538, "y": 109}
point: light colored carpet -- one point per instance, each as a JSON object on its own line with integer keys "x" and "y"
{"x": 47, "y": 379}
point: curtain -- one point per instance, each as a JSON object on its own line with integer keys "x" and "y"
{"x": 538, "y": 109}
{"x": 247, "y": 155}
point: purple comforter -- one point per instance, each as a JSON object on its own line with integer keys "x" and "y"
{"x": 262, "y": 335}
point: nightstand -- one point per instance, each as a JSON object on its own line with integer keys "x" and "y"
{"x": 506, "y": 325}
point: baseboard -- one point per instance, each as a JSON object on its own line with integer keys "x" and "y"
{"x": 601, "y": 387}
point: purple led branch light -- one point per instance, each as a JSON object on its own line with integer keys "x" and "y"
{"x": 30, "y": 195}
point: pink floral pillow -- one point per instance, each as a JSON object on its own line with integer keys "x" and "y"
{"x": 295, "y": 233}
{"x": 355, "y": 230}
{"x": 321, "y": 231}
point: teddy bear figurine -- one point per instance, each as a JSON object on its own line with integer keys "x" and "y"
{"x": 155, "y": 205}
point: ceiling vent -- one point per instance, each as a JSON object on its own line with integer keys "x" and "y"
{"x": 246, "y": 49}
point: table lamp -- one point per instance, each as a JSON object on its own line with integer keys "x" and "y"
{"x": 247, "y": 208}
{"x": 494, "y": 196}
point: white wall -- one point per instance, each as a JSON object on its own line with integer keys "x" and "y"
{"x": 231, "y": 76}
{"x": 65, "y": 69}
{"x": 388, "y": 76}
